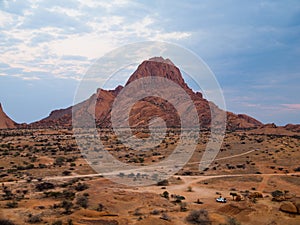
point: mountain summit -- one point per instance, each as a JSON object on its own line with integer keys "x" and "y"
{"x": 145, "y": 109}
{"x": 5, "y": 121}
{"x": 159, "y": 67}
{"x": 161, "y": 60}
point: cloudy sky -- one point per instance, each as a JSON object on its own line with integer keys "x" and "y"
{"x": 253, "y": 47}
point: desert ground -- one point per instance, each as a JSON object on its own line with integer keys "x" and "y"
{"x": 46, "y": 180}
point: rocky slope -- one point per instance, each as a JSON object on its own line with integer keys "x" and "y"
{"x": 5, "y": 121}
{"x": 145, "y": 109}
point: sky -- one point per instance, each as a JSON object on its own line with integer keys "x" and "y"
{"x": 252, "y": 47}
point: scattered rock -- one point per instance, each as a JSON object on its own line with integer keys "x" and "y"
{"x": 278, "y": 199}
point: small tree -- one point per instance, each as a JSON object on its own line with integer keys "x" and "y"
{"x": 67, "y": 205}
{"x": 82, "y": 201}
{"x": 165, "y": 194}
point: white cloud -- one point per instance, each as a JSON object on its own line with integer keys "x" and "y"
{"x": 171, "y": 36}
{"x": 25, "y": 77}
{"x": 104, "y": 4}
{"x": 31, "y": 78}
{"x": 37, "y": 43}
{"x": 291, "y": 107}
{"x": 67, "y": 11}
{"x": 5, "y": 19}
{"x": 89, "y": 45}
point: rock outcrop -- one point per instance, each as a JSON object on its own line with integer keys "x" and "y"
{"x": 99, "y": 105}
{"x": 288, "y": 207}
{"x": 5, "y": 121}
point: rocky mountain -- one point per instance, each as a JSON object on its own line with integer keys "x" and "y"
{"x": 145, "y": 109}
{"x": 5, "y": 121}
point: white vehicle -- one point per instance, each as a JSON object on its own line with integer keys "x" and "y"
{"x": 221, "y": 200}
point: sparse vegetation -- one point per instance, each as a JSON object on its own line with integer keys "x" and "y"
{"x": 6, "y": 222}
{"x": 44, "y": 186}
{"x": 165, "y": 194}
{"x": 297, "y": 169}
{"x": 34, "y": 219}
{"x": 13, "y": 204}
{"x": 198, "y": 217}
{"x": 58, "y": 222}
{"x": 82, "y": 201}
{"x": 81, "y": 187}
{"x": 67, "y": 205}
{"x": 232, "y": 221}
{"x": 38, "y": 156}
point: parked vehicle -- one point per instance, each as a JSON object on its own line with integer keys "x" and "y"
{"x": 221, "y": 200}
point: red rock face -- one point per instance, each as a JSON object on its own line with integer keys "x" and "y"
{"x": 5, "y": 121}
{"x": 100, "y": 104}
{"x": 241, "y": 121}
{"x": 159, "y": 68}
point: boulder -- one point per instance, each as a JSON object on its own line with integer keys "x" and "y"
{"x": 288, "y": 207}
{"x": 255, "y": 195}
{"x": 297, "y": 204}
